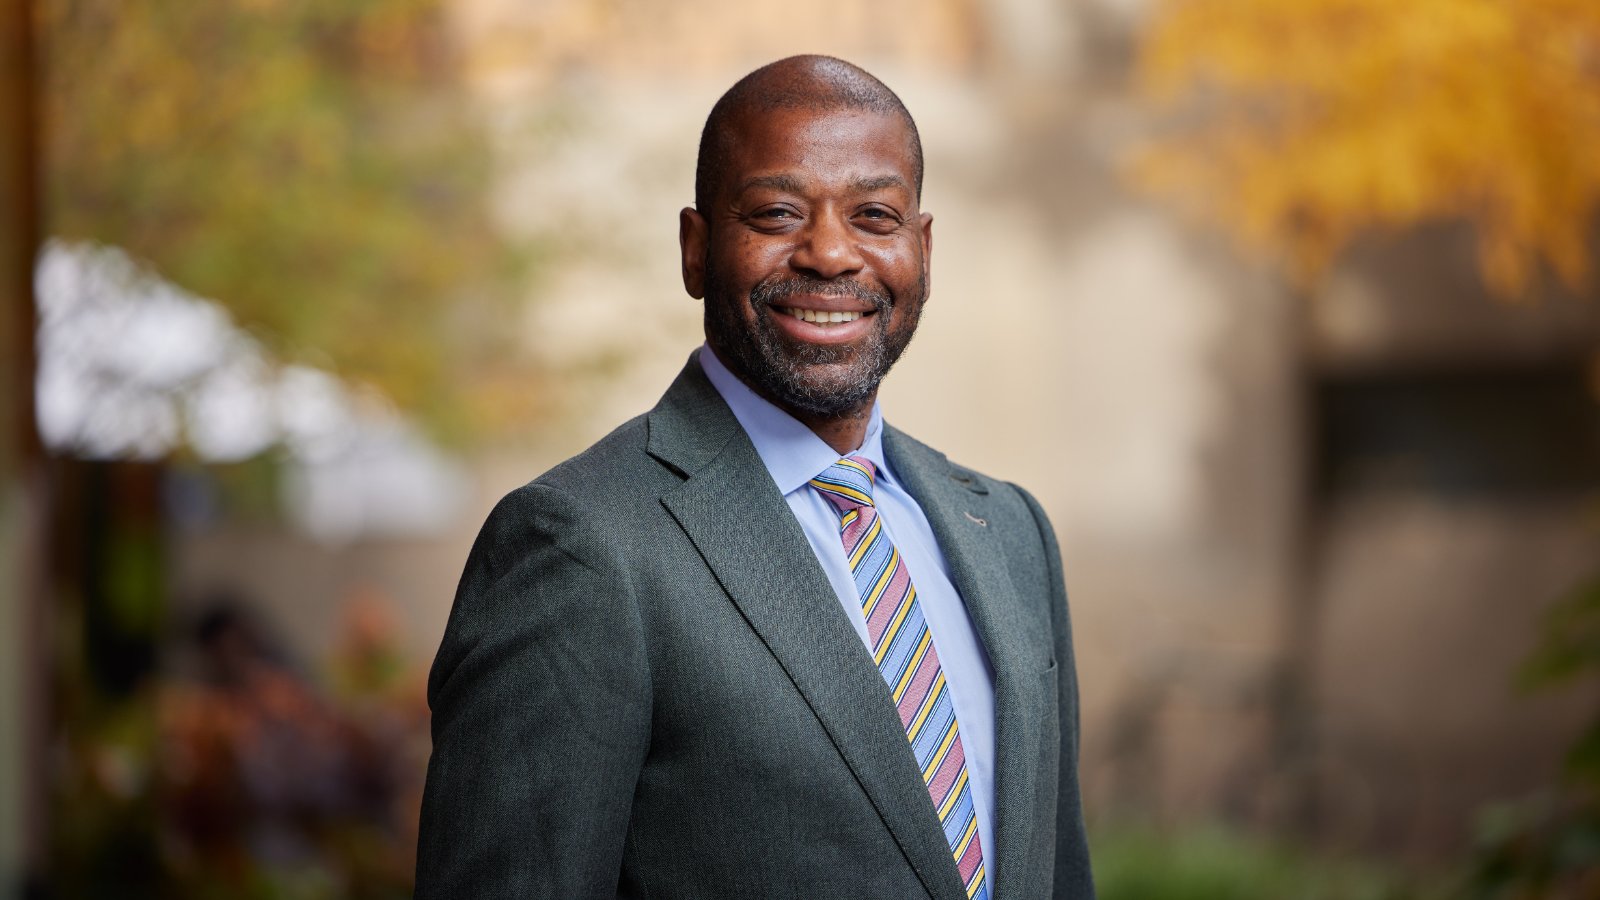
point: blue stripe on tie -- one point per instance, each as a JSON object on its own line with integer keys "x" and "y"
{"x": 904, "y": 645}
{"x": 955, "y": 824}
{"x": 895, "y": 665}
{"x": 871, "y": 567}
{"x": 935, "y": 728}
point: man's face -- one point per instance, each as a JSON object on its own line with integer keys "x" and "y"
{"x": 813, "y": 260}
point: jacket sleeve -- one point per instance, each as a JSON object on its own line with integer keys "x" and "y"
{"x": 1073, "y": 879}
{"x": 540, "y": 696}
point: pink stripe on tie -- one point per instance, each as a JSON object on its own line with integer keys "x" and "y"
{"x": 949, "y": 770}
{"x": 917, "y": 690}
{"x": 852, "y": 533}
{"x": 893, "y": 593}
{"x": 968, "y": 863}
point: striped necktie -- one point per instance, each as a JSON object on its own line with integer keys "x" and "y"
{"x": 903, "y": 649}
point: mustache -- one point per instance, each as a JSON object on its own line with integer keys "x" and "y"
{"x": 773, "y": 291}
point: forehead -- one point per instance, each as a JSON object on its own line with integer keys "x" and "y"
{"x": 820, "y": 146}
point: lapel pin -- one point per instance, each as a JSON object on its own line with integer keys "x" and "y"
{"x": 973, "y": 518}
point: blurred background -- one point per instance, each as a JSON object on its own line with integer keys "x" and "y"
{"x": 1285, "y": 309}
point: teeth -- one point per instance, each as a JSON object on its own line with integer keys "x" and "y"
{"x": 821, "y": 317}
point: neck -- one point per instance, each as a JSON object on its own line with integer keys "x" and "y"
{"x": 843, "y": 433}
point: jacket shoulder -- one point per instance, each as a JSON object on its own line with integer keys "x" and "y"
{"x": 616, "y": 464}
{"x": 1008, "y": 495}
{"x": 577, "y": 497}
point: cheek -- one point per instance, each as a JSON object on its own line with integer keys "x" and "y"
{"x": 747, "y": 261}
{"x": 901, "y": 271}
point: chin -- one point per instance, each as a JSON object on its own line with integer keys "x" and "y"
{"x": 821, "y": 390}
{"x": 813, "y": 380}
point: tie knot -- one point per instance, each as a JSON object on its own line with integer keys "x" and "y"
{"x": 847, "y": 483}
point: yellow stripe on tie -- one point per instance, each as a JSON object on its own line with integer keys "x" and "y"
{"x": 849, "y": 463}
{"x": 915, "y": 727}
{"x": 977, "y": 879}
{"x": 848, "y": 518}
{"x": 955, "y": 791}
{"x": 866, "y": 542}
{"x": 874, "y": 599}
{"x": 890, "y": 631}
{"x": 911, "y": 667}
{"x": 875, "y": 593}
{"x": 939, "y": 755}
{"x": 852, "y": 493}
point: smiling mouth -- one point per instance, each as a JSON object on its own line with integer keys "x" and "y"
{"x": 821, "y": 316}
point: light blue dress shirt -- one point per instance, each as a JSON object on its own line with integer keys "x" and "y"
{"x": 793, "y": 455}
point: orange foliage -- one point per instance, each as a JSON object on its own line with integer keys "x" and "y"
{"x": 1301, "y": 123}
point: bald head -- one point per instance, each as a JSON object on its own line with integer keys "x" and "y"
{"x": 812, "y": 83}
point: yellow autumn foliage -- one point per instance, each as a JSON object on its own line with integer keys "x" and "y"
{"x": 1299, "y": 124}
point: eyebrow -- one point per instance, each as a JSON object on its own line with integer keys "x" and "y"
{"x": 878, "y": 183}
{"x": 777, "y": 182}
{"x": 793, "y": 185}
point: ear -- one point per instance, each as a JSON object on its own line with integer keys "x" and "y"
{"x": 927, "y": 251}
{"x": 693, "y": 240}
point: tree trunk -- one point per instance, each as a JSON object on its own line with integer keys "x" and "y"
{"x": 24, "y": 488}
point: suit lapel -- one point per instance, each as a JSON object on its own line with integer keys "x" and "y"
{"x": 955, "y": 503}
{"x": 734, "y": 515}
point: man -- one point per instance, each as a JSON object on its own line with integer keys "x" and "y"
{"x": 755, "y": 643}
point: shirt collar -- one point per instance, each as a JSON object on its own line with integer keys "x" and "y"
{"x": 792, "y": 453}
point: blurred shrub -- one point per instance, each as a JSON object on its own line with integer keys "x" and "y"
{"x": 1132, "y": 863}
{"x": 1547, "y": 847}
{"x": 1542, "y": 848}
{"x": 243, "y": 778}
{"x": 1570, "y": 652}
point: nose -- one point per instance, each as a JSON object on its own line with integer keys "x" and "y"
{"x": 827, "y": 248}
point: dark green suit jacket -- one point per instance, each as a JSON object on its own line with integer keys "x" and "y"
{"x": 647, "y": 688}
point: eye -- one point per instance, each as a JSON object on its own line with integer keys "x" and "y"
{"x": 878, "y": 218}
{"x": 775, "y": 219}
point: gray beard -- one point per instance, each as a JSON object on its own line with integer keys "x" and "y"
{"x": 788, "y": 373}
